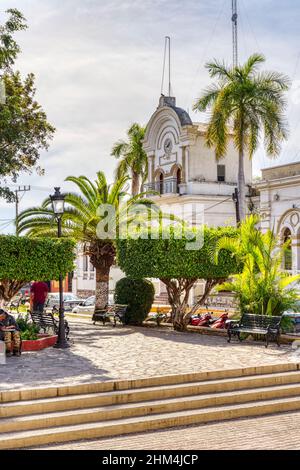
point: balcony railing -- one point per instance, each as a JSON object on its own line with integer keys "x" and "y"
{"x": 169, "y": 186}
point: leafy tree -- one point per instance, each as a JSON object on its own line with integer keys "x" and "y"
{"x": 96, "y": 206}
{"x": 23, "y": 259}
{"x": 133, "y": 158}
{"x": 165, "y": 256}
{"x": 245, "y": 102}
{"x": 24, "y": 129}
{"x": 262, "y": 287}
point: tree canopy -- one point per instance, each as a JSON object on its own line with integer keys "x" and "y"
{"x": 166, "y": 256}
{"x": 133, "y": 160}
{"x": 245, "y": 104}
{"x": 25, "y": 259}
{"x": 170, "y": 258}
{"x": 262, "y": 288}
{"x": 92, "y": 215}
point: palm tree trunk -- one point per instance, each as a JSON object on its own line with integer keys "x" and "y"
{"x": 135, "y": 183}
{"x": 242, "y": 183}
{"x": 102, "y": 288}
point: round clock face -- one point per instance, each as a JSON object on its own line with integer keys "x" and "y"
{"x": 168, "y": 146}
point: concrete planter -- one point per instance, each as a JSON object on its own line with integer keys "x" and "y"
{"x": 44, "y": 341}
{"x": 202, "y": 330}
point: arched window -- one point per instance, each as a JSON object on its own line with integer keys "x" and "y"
{"x": 288, "y": 260}
{"x": 161, "y": 183}
{"x": 178, "y": 178}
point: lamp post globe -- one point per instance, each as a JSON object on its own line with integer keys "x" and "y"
{"x": 58, "y": 202}
{"x": 58, "y": 206}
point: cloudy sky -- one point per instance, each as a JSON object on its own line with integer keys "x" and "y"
{"x": 98, "y": 67}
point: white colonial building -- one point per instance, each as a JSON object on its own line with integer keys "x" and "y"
{"x": 184, "y": 170}
{"x": 279, "y": 207}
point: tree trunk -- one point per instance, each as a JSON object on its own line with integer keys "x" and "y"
{"x": 241, "y": 180}
{"x": 102, "y": 288}
{"x": 178, "y": 294}
{"x": 8, "y": 289}
{"x": 209, "y": 285}
{"x": 135, "y": 184}
{"x": 102, "y": 255}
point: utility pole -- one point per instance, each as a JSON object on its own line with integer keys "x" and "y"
{"x": 21, "y": 189}
{"x": 234, "y": 20}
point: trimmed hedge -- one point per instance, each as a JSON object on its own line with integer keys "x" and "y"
{"x": 163, "y": 258}
{"x": 24, "y": 259}
{"x": 138, "y": 294}
{"x": 27, "y": 259}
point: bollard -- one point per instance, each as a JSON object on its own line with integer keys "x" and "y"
{"x": 2, "y": 353}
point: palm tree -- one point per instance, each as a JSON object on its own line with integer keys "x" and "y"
{"x": 89, "y": 219}
{"x": 133, "y": 158}
{"x": 262, "y": 287}
{"x": 246, "y": 102}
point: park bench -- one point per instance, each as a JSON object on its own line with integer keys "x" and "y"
{"x": 262, "y": 325}
{"x": 46, "y": 321}
{"x": 116, "y": 312}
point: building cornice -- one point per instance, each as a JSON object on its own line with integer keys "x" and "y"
{"x": 278, "y": 182}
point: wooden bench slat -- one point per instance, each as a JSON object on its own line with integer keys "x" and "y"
{"x": 46, "y": 320}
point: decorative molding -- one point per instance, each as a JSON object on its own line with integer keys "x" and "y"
{"x": 164, "y": 161}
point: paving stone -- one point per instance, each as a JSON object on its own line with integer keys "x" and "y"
{"x": 101, "y": 353}
{"x": 275, "y": 432}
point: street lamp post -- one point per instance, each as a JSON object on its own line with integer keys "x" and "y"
{"x": 58, "y": 203}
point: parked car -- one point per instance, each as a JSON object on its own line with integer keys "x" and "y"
{"x": 88, "y": 305}
{"x": 70, "y": 301}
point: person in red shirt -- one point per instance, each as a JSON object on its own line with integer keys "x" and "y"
{"x": 38, "y": 294}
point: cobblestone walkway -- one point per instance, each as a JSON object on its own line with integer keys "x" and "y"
{"x": 104, "y": 353}
{"x": 277, "y": 432}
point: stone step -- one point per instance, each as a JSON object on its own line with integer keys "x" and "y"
{"x": 146, "y": 408}
{"x": 90, "y": 400}
{"x": 33, "y": 438}
{"x": 7, "y": 396}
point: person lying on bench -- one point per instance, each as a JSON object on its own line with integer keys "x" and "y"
{"x": 10, "y": 333}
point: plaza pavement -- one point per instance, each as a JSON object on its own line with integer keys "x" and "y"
{"x": 101, "y": 353}
{"x": 275, "y": 432}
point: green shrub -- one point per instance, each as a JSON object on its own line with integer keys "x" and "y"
{"x": 138, "y": 294}
{"x": 24, "y": 259}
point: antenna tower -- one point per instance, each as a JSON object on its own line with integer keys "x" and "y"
{"x": 167, "y": 51}
{"x": 234, "y": 20}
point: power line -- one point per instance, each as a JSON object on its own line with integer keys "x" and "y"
{"x": 249, "y": 24}
{"x": 203, "y": 56}
{"x": 218, "y": 203}
{"x": 34, "y": 188}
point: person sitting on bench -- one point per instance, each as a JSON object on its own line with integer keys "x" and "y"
{"x": 10, "y": 333}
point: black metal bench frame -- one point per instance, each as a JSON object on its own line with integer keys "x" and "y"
{"x": 117, "y": 312}
{"x": 46, "y": 321}
{"x": 263, "y": 325}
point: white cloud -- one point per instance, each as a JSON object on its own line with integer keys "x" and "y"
{"x": 98, "y": 66}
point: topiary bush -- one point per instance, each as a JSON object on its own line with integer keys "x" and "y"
{"x": 138, "y": 294}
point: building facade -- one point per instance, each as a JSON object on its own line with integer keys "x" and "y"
{"x": 184, "y": 171}
{"x": 279, "y": 208}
